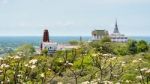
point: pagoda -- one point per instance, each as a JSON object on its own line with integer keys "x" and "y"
{"x": 47, "y": 44}
{"x": 116, "y": 36}
{"x": 116, "y": 30}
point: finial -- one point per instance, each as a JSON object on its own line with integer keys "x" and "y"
{"x": 116, "y": 30}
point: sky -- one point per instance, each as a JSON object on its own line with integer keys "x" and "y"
{"x": 73, "y": 17}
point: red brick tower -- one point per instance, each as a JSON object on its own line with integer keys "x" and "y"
{"x": 46, "y": 36}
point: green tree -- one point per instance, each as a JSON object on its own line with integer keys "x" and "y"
{"x": 132, "y": 47}
{"x": 45, "y": 52}
{"x": 120, "y": 48}
{"x": 107, "y": 48}
{"x": 142, "y": 46}
{"x": 73, "y": 42}
{"x": 105, "y": 39}
{"x": 26, "y": 49}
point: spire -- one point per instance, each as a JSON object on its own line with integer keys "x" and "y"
{"x": 46, "y": 36}
{"x": 116, "y": 30}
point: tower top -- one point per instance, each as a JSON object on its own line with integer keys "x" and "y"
{"x": 46, "y": 36}
{"x": 116, "y": 30}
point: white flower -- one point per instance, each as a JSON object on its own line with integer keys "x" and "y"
{"x": 107, "y": 55}
{"x": 113, "y": 58}
{"x": 143, "y": 69}
{"x": 93, "y": 82}
{"x": 19, "y": 75}
{"x": 86, "y": 82}
{"x": 4, "y": 66}
{"x": 20, "y": 53}
{"x": 94, "y": 55}
{"x": 140, "y": 59}
{"x": 17, "y": 57}
{"x": 7, "y": 66}
{"x": 59, "y": 83}
{"x": 108, "y": 82}
{"x": 8, "y": 80}
{"x": 135, "y": 61}
{"x": 49, "y": 69}
{"x": 1, "y": 58}
{"x": 127, "y": 81}
{"x": 33, "y": 61}
{"x": 139, "y": 77}
{"x": 117, "y": 83}
{"x": 1, "y": 71}
{"x": 68, "y": 64}
{"x": 122, "y": 65}
{"x": 115, "y": 75}
{"x": 148, "y": 71}
{"x": 26, "y": 65}
{"x": 32, "y": 66}
{"x": 11, "y": 57}
{"x": 42, "y": 75}
{"x": 123, "y": 62}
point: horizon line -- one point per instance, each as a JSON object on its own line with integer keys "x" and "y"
{"x": 64, "y": 36}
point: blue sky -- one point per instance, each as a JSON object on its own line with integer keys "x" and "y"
{"x": 73, "y": 17}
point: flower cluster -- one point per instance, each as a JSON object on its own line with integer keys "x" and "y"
{"x": 137, "y": 61}
{"x": 42, "y": 75}
{"x": 17, "y": 57}
{"x": 68, "y": 64}
{"x": 33, "y": 61}
{"x": 4, "y": 66}
{"x": 107, "y": 55}
{"x": 139, "y": 77}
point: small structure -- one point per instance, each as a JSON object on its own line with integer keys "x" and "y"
{"x": 51, "y": 46}
{"x": 116, "y": 36}
{"x": 99, "y": 34}
{"x": 48, "y": 44}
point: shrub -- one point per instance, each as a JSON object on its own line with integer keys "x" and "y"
{"x": 142, "y": 46}
{"x": 73, "y": 42}
{"x": 132, "y": 47}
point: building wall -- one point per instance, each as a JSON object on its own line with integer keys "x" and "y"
{"x": 51, "y": 47}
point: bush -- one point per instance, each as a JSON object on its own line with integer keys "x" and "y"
{"x": 120, "y": 49}
{"x": 132, "y": 47}
{"x": 73, "y": 42}
{"x": 142, "y": 46}
{"x": 105, "y": 39}
{"x": 26, "y": 49}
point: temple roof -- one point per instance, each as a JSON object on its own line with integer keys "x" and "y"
{"x": 99, "y": 32}
{"x": 116, "y": 30}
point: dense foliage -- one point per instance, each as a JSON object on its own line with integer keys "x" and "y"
{"x": 73, "y": 42}
{"x": 93, "y": 63}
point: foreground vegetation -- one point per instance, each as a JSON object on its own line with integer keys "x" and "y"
{"x": 99, "y": 62}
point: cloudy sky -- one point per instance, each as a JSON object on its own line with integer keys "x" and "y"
{"x": 73, "y": 17}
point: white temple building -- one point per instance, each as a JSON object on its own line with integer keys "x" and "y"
{"x": 116, "y": 36}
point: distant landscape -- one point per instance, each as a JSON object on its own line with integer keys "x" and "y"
{"x": 8, "y": 43}
{"x": 74, "y": 41}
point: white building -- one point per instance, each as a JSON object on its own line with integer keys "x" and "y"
{"x": 50, "y": 46}
{"x": 116, "y": 36}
